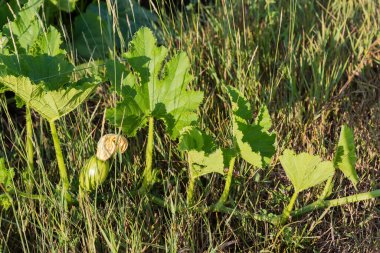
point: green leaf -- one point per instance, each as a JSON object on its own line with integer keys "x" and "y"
{"x": 92, "y": 35}
{"x": 93, "y": 31}
{"x": 345, "y": 157}
{"x": 119, "y": 77}
{"x": 7, "y": 10}
{"x": 160, "y": 93}
{"x": 263, "y": 118}
{"x": 65, "y": 5}
{"x": 5, "y": 201}
{"x": 256, "y": 146}
{"x": 25, "y": 27}
{"x": 255, "y": 143}
{"x": 241, "y": 108}
{"x": 55, "y": 70}
{"x": 203, "y": 155}
{"x": 305, "y": 170}
{"x": 48, "y": 43}
{"x": 51, "y": 104}
{"x": 6, "y": 176}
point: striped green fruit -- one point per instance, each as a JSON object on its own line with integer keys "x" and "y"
{"x": 93, "y": 174}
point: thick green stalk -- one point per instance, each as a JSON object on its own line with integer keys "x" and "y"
{"x": 29, "y": 150}
{"x": 287, "y": 211}
{"x": 147, "y": 175}
{"x": 327, "y": 190}
{"x": 223, "y": 209}
{"x": 320, "y": 204}
{"x": 190, "y": 190}
{"x": 227, "y": 186}
{"x": 60, "y": 160}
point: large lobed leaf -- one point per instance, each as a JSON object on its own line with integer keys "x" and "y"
{"x": 159, "y": 93}
{"x": 28, "y": 33}
{"x": 54, "y": 70}
{"x": 203, "y": 155}
{"x": 93, "y": 30}
{"x": 345, "y": 157}
{"x": 50, "y": 104}
{"x": 305, "y": 170}
{"x": 255, "y": 142}
{"x": 25, "y": 28}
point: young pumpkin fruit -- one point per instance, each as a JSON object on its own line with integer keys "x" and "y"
{"x": 93, "y": 174}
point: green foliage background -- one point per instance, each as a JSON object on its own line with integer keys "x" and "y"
{"x": 314, "y": 64}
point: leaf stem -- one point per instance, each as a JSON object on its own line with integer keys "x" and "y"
{"x": 320, "y": 204}
{"x": 29, "y": 150}
{"x": 327, "y": 190}
{"x": 147, "y": 174}
{"x": 61, "y": 162}
{"x": 227, "y": 186}
{"x": 223, "y": 209}
{"x": 287, "y": 211}
{"x": 190, "y": 190}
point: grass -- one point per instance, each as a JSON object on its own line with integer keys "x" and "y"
{"x": 316, "y": 65}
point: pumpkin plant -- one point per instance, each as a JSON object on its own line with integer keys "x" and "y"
{"x": 156, "y": 89}
{"x": 306, "y": 171}
{"x": 32, "y": 39}
{"x": 45, "y": 84}
{"x": 252, "y": 141}
{"x": 96, "y": 168}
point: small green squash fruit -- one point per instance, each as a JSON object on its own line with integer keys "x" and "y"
{"x": 93, "y": 174}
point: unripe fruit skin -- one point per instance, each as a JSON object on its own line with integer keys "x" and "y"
{"x": 93, "y": 173}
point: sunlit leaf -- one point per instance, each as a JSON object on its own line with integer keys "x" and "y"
{"x": 55, "y": 70}
{"x": 6, "y": 176}
{"x": 305, "y": 170}
{"x": 255, "y": 143}
{"x": 204, "y": 156}
{"x": 263, "y": 118}
{"x": 25, "y": 27}
{"x": 48, "y": 43}
{"x": 65, "y": 5}
{"x": 50, "y": 104}
{"x": 5, "y": 201}
{"x": 345, "y": 157}
{"x": 161, "y": 96}
{"x": 241, "y": 108}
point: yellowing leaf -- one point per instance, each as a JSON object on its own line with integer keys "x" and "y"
{"x": 305, "y": 170}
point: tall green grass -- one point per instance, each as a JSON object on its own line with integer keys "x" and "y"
{"x": 314, "y": 63}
